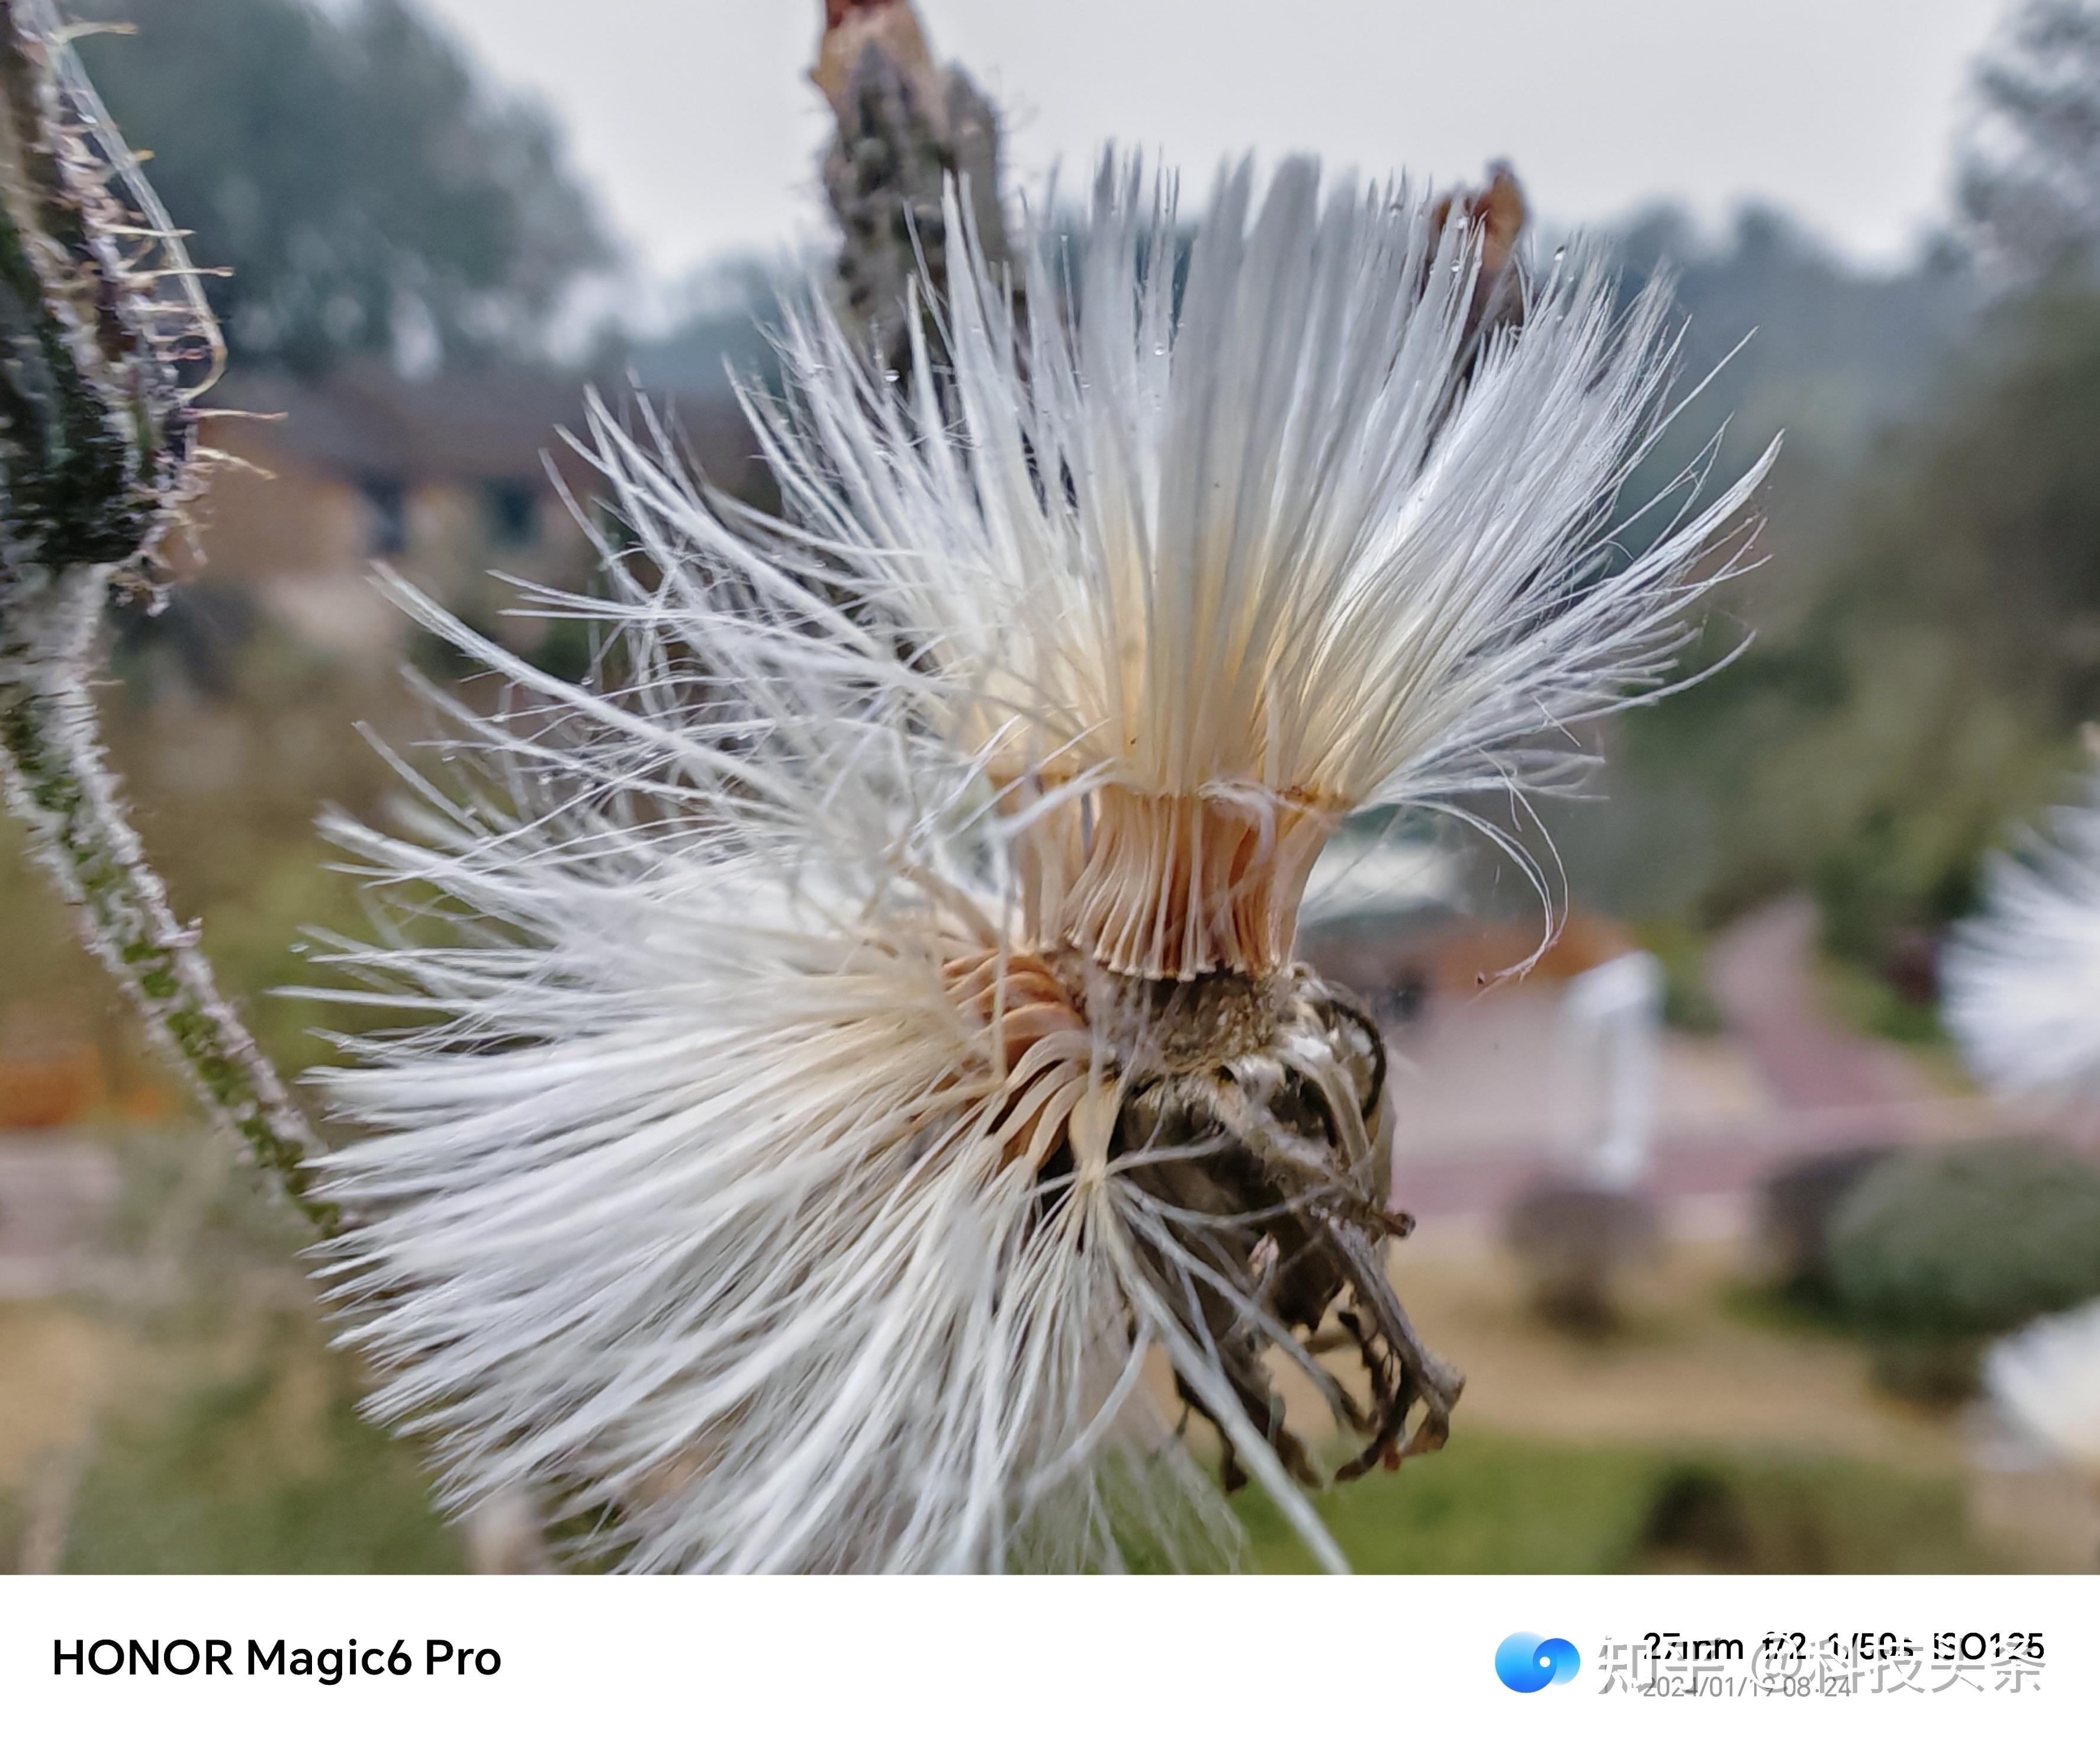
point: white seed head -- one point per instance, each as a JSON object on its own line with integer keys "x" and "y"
{"x": 751, "y": 1181}
{"x": 2045, "y": 1380}
{"x": 2022, "y": 980}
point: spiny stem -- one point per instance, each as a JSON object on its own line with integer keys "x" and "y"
{"x": 97, "y": 441}
{"x": 55, "y": 781}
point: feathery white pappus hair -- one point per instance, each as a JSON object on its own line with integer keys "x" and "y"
{"x": 751, "y": 1185}
{"x": 2022, "y": 978}
{"x": 2046, "y": 1382}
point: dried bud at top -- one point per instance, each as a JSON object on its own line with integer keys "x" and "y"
{"x": 106, "y": 334}
{"x": 1498, "y": 212}
{"x": 852, "y": 29}
{"x": 906, "y": 127}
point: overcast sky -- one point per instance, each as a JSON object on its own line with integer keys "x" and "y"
{"x": 693, "y": 120}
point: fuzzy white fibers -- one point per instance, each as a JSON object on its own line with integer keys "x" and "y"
{"x": 2022, "y": 980}
{"x": 748, "y": 1189}
{"x": 2046, "y": 1382}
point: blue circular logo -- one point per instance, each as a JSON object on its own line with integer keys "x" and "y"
{"x": 1526, "y": 1663}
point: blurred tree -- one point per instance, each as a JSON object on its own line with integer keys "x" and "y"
{"x": 1929, "y": 629}
{"x": 368, "y": 193}
{"x": 719, "y": 338}
{"x": 1929, "y": 693}
{"x": 1836, "y": 356}
{"x": 1812, "y": 345}
{"x": 1786, "y": 336}
{"x": 2030, "y": 178}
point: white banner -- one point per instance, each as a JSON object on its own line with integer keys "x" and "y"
{"x": 1372, "y": 1661}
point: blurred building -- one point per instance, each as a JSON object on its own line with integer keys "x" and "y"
{"x": 446, "y": 479}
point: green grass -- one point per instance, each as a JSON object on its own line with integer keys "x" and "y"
{"x": 1484, "y": 1505}
{"x": 1687, "y": 1004}
{"x": 1492, "y": 1504}
{"x": 1868, "y": 1004}
{"x": 1785, "y": 1310}
{"x": 12, "y": 1525}
{"x": 244, "y": 1452}
{"x": 265, "y": 1469}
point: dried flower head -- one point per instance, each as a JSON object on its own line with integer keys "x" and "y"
{"x": 871, "y": 1027}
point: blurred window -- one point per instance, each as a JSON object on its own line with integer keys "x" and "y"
{"x": 513, "y": 512}
{"x": 389, "y": 500}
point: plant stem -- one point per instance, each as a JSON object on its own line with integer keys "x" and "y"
{"x": 97, "y": 442}
{"x": 56, "y": 782}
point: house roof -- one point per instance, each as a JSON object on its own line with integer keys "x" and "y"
{"x": 365, "y": 423}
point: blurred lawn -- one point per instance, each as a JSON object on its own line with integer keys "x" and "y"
{"x": 258, "y": 1462}
{"x": 264, "y": 1469}
{"x": 213, "y": 1429}
{"x": 1491, "y": 1504}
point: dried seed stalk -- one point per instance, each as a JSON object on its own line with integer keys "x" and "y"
{"x": 906, "y": 127}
